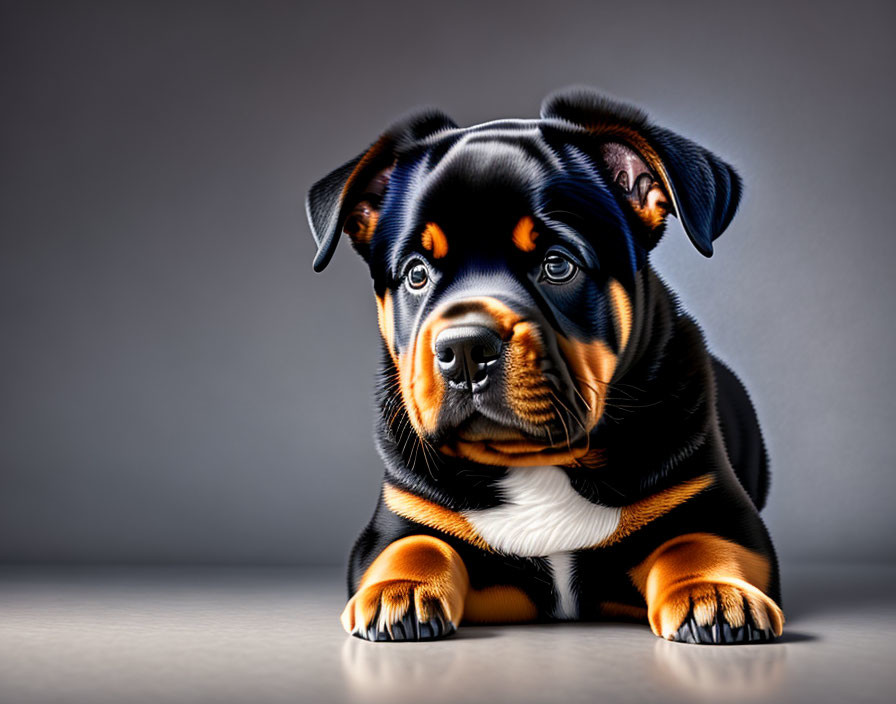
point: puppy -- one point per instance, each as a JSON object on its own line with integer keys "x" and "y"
{"x": 559, "y": 444}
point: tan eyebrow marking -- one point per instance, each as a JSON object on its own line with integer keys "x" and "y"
{"x": 435, "y": 241}
{"x": 524, "y": 234}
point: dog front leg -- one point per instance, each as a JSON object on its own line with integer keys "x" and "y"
{"x": 701, "y": 588}
{"x": 414, "y": 590}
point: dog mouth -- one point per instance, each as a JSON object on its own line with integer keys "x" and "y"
{"x": 496, "y": 388}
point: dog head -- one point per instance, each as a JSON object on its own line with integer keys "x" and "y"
{"x": 504, "y": 258}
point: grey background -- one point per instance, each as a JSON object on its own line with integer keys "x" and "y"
{"x": 178, "y": 386}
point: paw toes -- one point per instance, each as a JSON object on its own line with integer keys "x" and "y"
{"x": 753, "y": 622}
{"x": 409, "y": 629}
{"x": 692, "y": 631}
{"x": 684, "y": 634}
{"x": 705, "y": 604}
{"x": 396, "y": 613}
{"x": 435, "y": 628}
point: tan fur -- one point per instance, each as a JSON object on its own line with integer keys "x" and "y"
{"x": 622, "y": 311}
{"x": 421, "y": 383}
{"x": 499, "y": 604}
{"x": 655, "y": 209}
{"x": 524, "y": 235}
{"x": 429, "y": 513}
{"x": 514, "y": 454}
{"x": 386, "y": 321}
{"x": 527, "y": 392}
{"x": 434, "y": 240}
{"x": 593, "y": 364}
{"x": 640, "y": 513}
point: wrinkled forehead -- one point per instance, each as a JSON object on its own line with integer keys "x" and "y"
{"x": 510, "y": 150}
{"x": 474, "y": 184}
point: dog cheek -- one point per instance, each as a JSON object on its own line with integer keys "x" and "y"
{"x": 622, "y": 311}
{"x": 386, "y": 322}
{"x": 421, "y": 383}
{"x": 526, "y": 392}
{"x": 592, "y": 364}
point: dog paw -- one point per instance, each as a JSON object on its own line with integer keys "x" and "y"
{"x": 400, "y": 610}
{"x": 719, "y": 613}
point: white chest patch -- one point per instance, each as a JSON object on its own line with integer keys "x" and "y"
{"x": 541, "y": 515}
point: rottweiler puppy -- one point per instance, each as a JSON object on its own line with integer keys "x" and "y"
{"x": 559, "y": 443}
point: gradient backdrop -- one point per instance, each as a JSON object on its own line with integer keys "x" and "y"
{"x": 176, "y": 385}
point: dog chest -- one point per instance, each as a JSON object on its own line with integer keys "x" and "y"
{"x": 542, "y": 514}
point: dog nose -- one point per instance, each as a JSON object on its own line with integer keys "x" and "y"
{"x": 466, "y": 353}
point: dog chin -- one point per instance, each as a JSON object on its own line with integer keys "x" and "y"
{"x": 480, "y": 428}
{"x": 486, "y": 441}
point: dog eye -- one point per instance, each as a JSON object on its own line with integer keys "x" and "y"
{"x": 417, "y": 275}
{"x": 557, "y": 269}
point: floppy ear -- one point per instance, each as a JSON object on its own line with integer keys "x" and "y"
{"x": 348, "y": 199}
{"x": 656, "y": 170}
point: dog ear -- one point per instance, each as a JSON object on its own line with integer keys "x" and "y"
{"x": 348, "y": 199}
{"x": 657, "y": 171}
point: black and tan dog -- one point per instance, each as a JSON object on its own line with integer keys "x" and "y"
{"x": 558, "y": 441}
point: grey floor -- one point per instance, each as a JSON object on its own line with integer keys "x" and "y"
{"x": 269, "y": 635}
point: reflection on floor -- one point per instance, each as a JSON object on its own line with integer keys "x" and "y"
{"x": 258, "y": 635}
